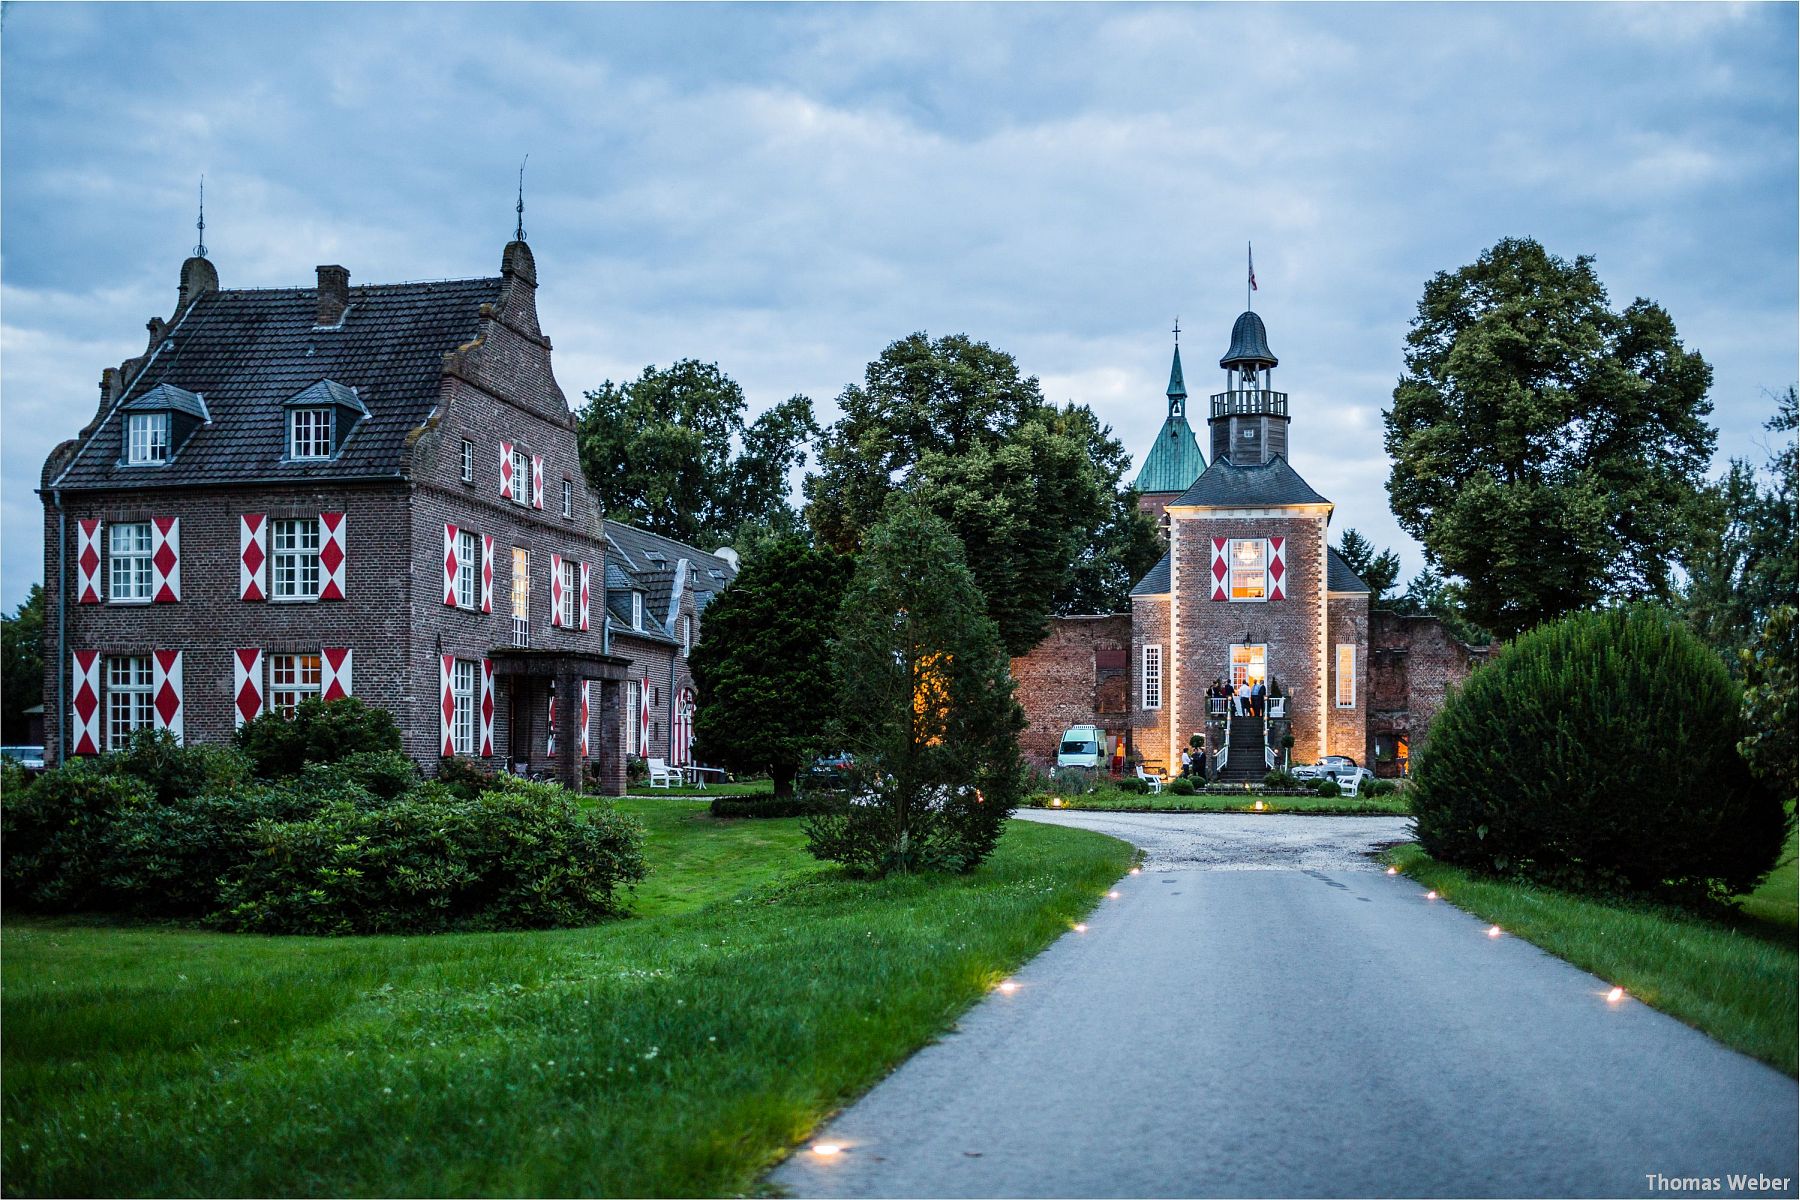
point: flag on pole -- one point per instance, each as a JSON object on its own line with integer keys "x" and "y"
{"x": 1251, "y": 255}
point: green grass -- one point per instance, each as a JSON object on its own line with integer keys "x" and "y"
{"x": 1733, "y": 978}
{"x": 677, "y": 1053}
{"x": 1111, "y": 800}
{"x": 1778, "y": 899}
{"x": 754, "y": 787}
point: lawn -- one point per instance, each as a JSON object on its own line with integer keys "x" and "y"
{"x": 1113, "y": 800}
{"x": 679, "y": 1052}
{"x": 754, "y": 787}
{"x": 1733, "y": 978}
{"x": 1778, "y": 899}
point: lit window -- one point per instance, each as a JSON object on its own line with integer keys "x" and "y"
{"x": 147, "y": 439}
{"x": 468, "y": 462}
{"x": 1249, "y": 567}
{"x": 568, "y": 499}
{"x": 1346, "y": 675}
{"x": 637, "y": 610}
{"x": 130, "y": 555}
{"x": 309, "y": 433}
{"x": 130, "y": 705}
{"x": 462, "y": 688}
{"x": 569, "y": 593}
{"x": 295, "y": 561}
{"x": 468, "y": 554}
{"x": 292, "y": 678}
{"x": 634, "y": 707}
{"x": 521, "y": 596}
{"x": 521, "y": 479}
{"x": 1152, "y": 676}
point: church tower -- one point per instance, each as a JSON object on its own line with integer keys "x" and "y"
{"x": 1174, "y": 460}
{"x": 1249, "y": 419}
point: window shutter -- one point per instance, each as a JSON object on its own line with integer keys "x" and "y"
{"x": 487, "y": 572}
{"x": 165, "y": 689}
{"x": 450, "y": 565}
{"x": 165, "y": 559}
{"x": 333, "y": 553}
{"x": 1220, "y": 569}
{"x": 537, "y": 481}
{"x": 253, "y": 556}
{"x": 87, "y": 562}
{"x": 556, "y": 590}
{"x": 246, "y": 684}
{"x": 85, "y": 704}
{"x": 550, "y": 738}
{"x": 447, "y": 704}
{"x": 487, "y": 708}
{"x": 334, "y": 673}
{"x": 1277, "y": 569}
{"x": 644, "y": 718}
{"x": 584, "y": 718}
{"x": 506, "y": 479}
{"x": 584, "y": 596}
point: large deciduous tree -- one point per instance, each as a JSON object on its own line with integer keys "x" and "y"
{"x": 763, "y": 670}
{"x": 1546, "y": 449}
{"x": 670, "y": 452}
{"x": 22, "y": 663}
{"x": 1032, "y": 490}
{"x": 925, "y": 706}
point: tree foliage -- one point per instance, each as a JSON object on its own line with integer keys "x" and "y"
{"x": 21, "y": 664}
{"x": 1546, "y": 449}
{"x": 1771, "y": 705}
{"x": 762, "y": 671}
{"x": 1033, "y": 491}
{"x": 925, "y": 706}
{"x": 1427, "y": 594}
{"x": 1379, "y": 571}
{"x": 670, "y": 452}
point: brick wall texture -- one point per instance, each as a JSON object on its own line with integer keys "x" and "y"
{"x": 1075, "y": 676}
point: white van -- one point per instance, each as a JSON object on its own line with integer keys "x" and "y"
{"x": 1082, "y": 746}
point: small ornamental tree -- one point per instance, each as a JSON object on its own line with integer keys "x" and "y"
{"x": 925, "y": 707}
{"x": 763, "y": 670}
{"x": 1599, "y": 752}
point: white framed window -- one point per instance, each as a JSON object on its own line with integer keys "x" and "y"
{"x": 634, "y": 707}
{"x": 468, "y": 559}
{"x": 687, "y": 634}
{"x": 568, "y": 498}
{"x": 292, "y": 678}
{"x": 462, "y": 688}
{"x": 521, "y": 489}
{"x": 147, "y": 439}
{"x": 130, "y": 705}
{"x": 309, "y": 432}
{"x": 1346, "y": 675}
{"x": 294, "y": 559}
{"x": 637, "y": 610}
{"x": 128, "y": 550}
{"x": 521, "y": 596}
{"x": 468, "y": 461}
{"x": 570, "y": 592}
{"x": 1152, "y": 689}
{"x": 1248, "y": 565}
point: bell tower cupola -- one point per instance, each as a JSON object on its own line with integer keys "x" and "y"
{"x": 1249, "y": 419}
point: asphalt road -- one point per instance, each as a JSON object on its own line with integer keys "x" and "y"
{"x": 1263, "y": 1012}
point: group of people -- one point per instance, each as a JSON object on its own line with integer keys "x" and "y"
{"x": 1247, "y": 699}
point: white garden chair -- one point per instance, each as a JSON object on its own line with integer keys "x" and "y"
{"x": 662, "y": 774}
{"x": 1155, "y": 781}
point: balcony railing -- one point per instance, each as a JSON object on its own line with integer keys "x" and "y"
{"x": 1249, "y": 404}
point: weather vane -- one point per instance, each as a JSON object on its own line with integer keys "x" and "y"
{"x": 519, "y": 230}
{"x": 200, "y": 250}
{"x": 1178, "y": 330}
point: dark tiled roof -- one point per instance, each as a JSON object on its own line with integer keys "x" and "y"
{"x": 1156, "y": 581}
{"x": 640, "y": 551}
{"x": 167, "y": 398}
{"x": 327, "y": 392}
{"x": 249, "y": 351}
{"x": 1273, "y": 483}
{"x": 1339, "y": 577}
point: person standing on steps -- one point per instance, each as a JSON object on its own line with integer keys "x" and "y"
{"x": 1241, "y": 698}
{"x": 1258, "y": 697}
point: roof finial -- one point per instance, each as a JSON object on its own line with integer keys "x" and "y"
{"x": 519, "y": 230}
{"x": 200, "y": 249}
{"x": 1178, "y": 329}
{"x": 1250, "y": 283}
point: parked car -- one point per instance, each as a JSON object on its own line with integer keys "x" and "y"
{"x": 830, "y": 770}
{"x": 1083, "y": 747}
{"x": 1332, "y": 765}
{"x": 29, "y": 757}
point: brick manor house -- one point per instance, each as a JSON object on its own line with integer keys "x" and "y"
{"x": 1250, "y": 589}
{"x": 370, "y": 491}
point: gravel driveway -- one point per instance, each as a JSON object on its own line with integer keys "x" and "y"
{"x": 1240, "y": 841}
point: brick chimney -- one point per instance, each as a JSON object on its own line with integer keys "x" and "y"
{"x": 334, "y": 294}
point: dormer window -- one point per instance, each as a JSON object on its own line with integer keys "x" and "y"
{"x": 147, "y": 439}
{"x": 310, "y": 433}
{"x": 637, "y": 610}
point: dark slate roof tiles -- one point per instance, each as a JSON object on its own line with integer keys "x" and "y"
{"x": 1270, "y": 484}
{"x": 1156, "y": 581}
{"x": 1340, "y": 576}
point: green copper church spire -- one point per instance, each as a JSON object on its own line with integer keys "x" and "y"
{"x": 1174, "y": 461}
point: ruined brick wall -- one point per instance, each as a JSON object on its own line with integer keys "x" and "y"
{"x": 1076, "y": 676}
{"x": 1414, "y": 662}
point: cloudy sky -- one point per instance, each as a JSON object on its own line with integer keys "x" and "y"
{"x": 785, "y": 190}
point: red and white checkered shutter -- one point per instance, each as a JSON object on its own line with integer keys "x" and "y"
{"x": 247, "y": 684}
{"x": 450, "y": 565}
{"x": 584, "y": 718}
{"x": 556, "y": 590}
{"x": 87, "y": 562}
{"x": 487, "y": 708}
{"x": 84, "y": 705}
{"x": 550, "y": 738}
{"x": 165, "y": 559}
{"x": 447, "y": 704}
{"x": 487, "y": 572}
{"x": 644, "y": 718}
{"x": 1220, "y": 568}
{"x": 165, "y": 689}
{"x": 253, "y": 556}
{"x": 506, "y": 479}
{"x": 334, "y": 673}
{"x": 333, "y": 553}
{"x": 537, "y": 481}
{"x": 584, "y": 595}
{"x": 1277, "y": 568}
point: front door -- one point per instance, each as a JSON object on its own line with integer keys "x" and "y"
{"x": 518, "y": 719}
{"x": 1249, "y": 664}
